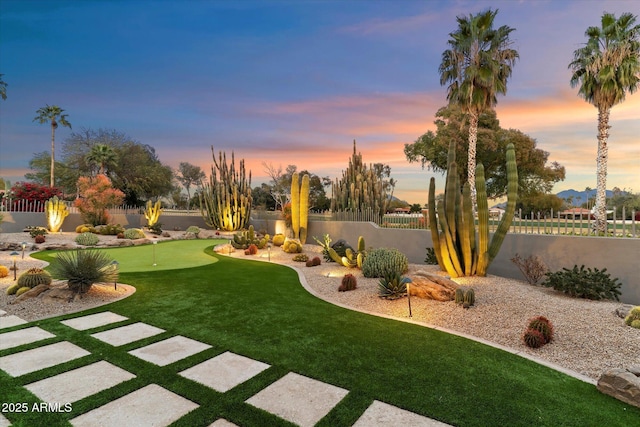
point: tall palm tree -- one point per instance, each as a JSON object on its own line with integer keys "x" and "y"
{"x": 604, "y": 69}
{"x": 52, "y": 114}
{"x": 103, "y": 156}
{"x": 477, "y": 65}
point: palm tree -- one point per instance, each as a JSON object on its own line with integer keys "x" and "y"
{"x": 52, "y": 114}
{"x": 102, "y": 155}
{"x": 3, "y": 88}
{"x": 604, "y": 69}
{"x": 477, "y": 65}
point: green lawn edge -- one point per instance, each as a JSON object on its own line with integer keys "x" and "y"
{"x": 260, "y": 310}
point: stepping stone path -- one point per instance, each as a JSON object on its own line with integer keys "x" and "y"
{"x": 295, "y": 398}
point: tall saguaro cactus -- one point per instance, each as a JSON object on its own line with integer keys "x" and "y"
{"x": 225, "y": 201}
{"x": 453, "y": 230}
{"x": 360, "y": 188}
{"x": 300, "y": 206}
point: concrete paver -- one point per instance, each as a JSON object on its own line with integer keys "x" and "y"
{"x": 127, "y": 334}
{"x": 149, "y": 406}
{"x": 9, "y": 321}
{"x": 222, "y": 423}
{"x": 23, "y": 336}
{"x": 2, "y": 312}
{"x": 225, "y": 371}
{"x": 171, "y": 350}
{"x": 4, "y": 422}
{"x": 93, "y": 320}
{"x": 77, "y": 384}
{"x": 298, "y": 399}
{"x": 39, "y": 358}
{"x": 380, "y": 414}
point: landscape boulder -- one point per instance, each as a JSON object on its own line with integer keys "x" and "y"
{"x": 623, "y": 384}
{"x": 431, "y": 286}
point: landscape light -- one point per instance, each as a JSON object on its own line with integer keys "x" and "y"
{"x": 14, "y": 255}
{"x": 115, "y": 280}
{"x": 24, "y": 245}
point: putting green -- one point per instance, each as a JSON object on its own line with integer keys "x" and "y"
{"x": 168, "y": 255}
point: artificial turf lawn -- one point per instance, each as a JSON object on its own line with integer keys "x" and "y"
{"x": 259, "y": 310}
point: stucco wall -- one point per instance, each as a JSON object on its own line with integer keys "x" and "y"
{"x": 621, "y": 257}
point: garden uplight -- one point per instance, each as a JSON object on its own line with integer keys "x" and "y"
{"x": 14, "y": 256}
{"x": 114, "y": 263}
{"x": 24, "y": 246}
{"x": 409, "y": 295}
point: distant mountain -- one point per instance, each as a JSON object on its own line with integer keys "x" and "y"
{"x": 577, "y": 198}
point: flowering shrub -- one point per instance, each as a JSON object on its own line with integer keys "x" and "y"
{"x": 96, "y": 195}
{"x": 34, "y": 194}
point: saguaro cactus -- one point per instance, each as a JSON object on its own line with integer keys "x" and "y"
{"x": 152, "y": 212}
{"x": 300, "y": 207}
{"x": 225, "y": 203}
{"x": 453, "y": 231}
{"x": 56, "y": 211}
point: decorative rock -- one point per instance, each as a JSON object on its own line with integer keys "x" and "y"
{"x": 57, "y": 294}
{"x": 622, "y": 384}
{"x": 120, "y": 242}
{"x": 623, "y": 310}
{"x": 430, "y": 286}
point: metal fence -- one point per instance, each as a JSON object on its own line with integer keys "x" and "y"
{"x": 620, "y": 224}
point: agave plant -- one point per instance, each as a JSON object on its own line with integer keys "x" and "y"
{"x": 82, "y": 268}
{"x": 393, "y": 286}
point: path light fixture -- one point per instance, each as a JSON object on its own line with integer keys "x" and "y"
{"x": 155, "y": 242}
{"x": 229, "y": 247}
{"x": 114, "y": 263}
{"x": 24, "y": 246}
{"x": 14, "y": 256}
{"x": 269, "y": 251}
{"x": 409, "y": 295}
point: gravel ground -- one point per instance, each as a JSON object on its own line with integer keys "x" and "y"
{"x": 589, "y": 337}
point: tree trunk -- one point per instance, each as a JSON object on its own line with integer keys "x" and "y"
{"x": 600, "y": 223}
{"x": 471, "y": 157}
{"x": 54, "y": 125}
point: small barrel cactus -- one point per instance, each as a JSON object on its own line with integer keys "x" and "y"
{"x": 4, "y": 271}
{"x": 278, "y": 239}
{"x": 533, "y": 338}
{"x": 542, "y": 325}
{"x": 34, "y": 277}
{"x": 633, "y": 318}
{"x": 349, "y": 283}
{"x": 87, "y": 239}
{"x": 251, "y": 250}
{"x": 301, "y": 258}
{"x": 13, "y": 289}
{"x": 459, "y": 296}
{"x": 22, "y": 290}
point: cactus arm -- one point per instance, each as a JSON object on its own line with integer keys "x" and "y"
{"x": 334, "y": 255}
{"x": 450, "y": 245}
{"x": 512, "y": 195}
{"x": 446, "y": 259}
{"x": 483, "y": 222}
{"x": 56, "y": 212}
{"x": 465, "y": 242}
{"x": 450, "y": 194}
{"x": 304, "y": 208}
{"x": 433, "y": 223}
{"x": 295, "y": 205}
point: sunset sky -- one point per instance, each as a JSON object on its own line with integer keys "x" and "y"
{"x": 293, "y": 82}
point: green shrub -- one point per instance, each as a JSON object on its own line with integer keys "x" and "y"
{"x": 431, "y": 258}
{"x": 156, "y": 228}
{"x": 84, "y": 267}
{"x": 110, "y": 229}
{"x": 633, "y": 318}
{"x": 134, "y": 233}
{"x": 87, "y": 239}
{"x": 349, "y": 283}
{"x": 384, "y": 262}
{"x": 34, "y": 277}
{"x": 393, "y": 286}
{"x": 37, "y": 231}
{"x": 584, "y": 283}
{"x": 193, "y": 230}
